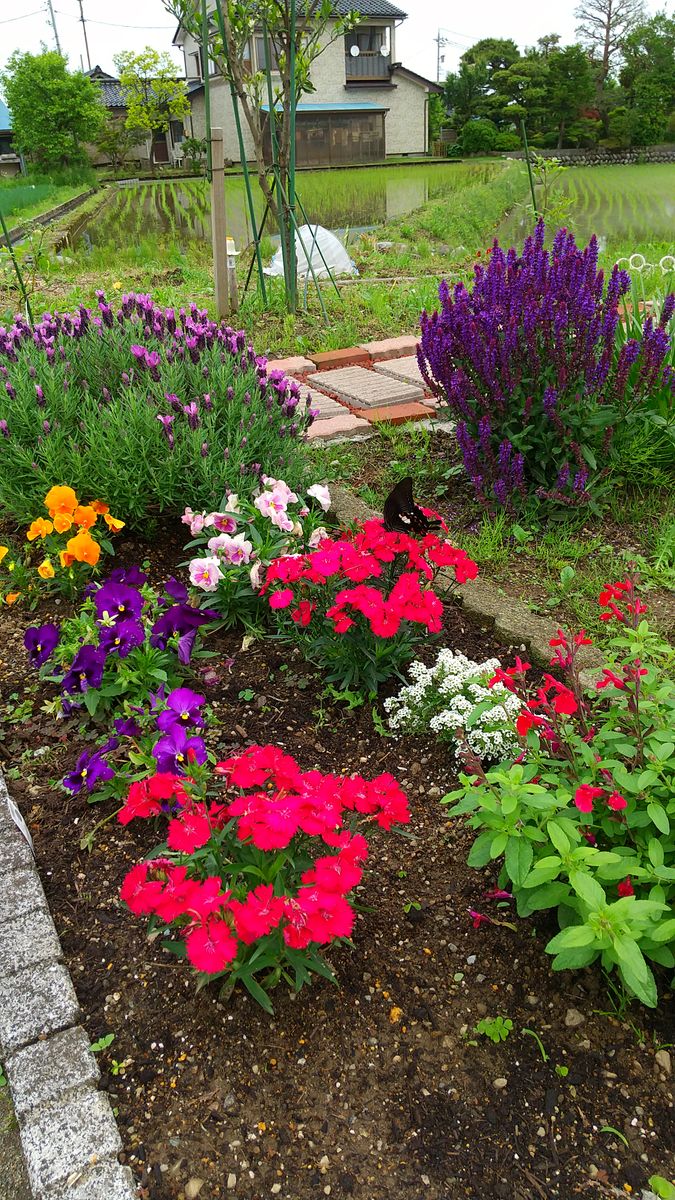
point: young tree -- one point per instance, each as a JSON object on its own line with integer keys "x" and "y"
{"x": 115, "y": 141}
{"x": 55, "y": 112}
{"x": 230, "y": 49}
{"x": 648, "y": 79}
{"x": 153, "y": 94}
{"x": 465, "y": 92}
{"x": 603, "y": 25}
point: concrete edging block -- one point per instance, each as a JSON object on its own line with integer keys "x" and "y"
{"x": 69, "y": 1136}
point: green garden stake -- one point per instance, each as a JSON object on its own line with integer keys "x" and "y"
{"x": 19, "y": 276}
{"x": 207, "y": 92}
{"x": 529, "y": 167}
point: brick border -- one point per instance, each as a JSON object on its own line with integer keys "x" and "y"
{"x": 68, "y": 1132}
{"x": 508, "y": 617}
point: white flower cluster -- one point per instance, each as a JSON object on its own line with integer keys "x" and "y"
{"x": 453, "y": 694}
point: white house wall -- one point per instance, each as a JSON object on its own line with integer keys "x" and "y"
{"x": 405, "y": 122}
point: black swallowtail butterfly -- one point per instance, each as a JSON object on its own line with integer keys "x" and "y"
{"x": 402, "y": 515}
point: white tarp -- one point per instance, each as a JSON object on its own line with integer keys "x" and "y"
{"x": 317, "y": 241}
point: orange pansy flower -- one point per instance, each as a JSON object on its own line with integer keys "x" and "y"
{"x": 99, "y": 507}
{"x": 46, "y": 570}
{"x": 83, "y": 548}
{"x": 62, "y": 522}
{"x": 113, "y": 523}
{"x": 60, "y": 499}
{"x": 38, "y": 529}
{"x": 65, "y": 558}
{"x": 12, "y": 597}
{"x": 3, "y": 551}
{"x": 85, "y": 516}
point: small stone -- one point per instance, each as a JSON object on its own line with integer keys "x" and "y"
{"x": 231, "y": 1182}
{"x": 663, "y": 1061}
{"x": 275, "y": 1189}
{"x": 324, "y": 1163}
{"x": 573, "y": 1018}
{"x": 532, "y": 1001}
{"x": 593, "y": 1171}
{"x": 434, "y": 791}
{"x": 193, "y": 1187}
{"x": 500, "y": 1083}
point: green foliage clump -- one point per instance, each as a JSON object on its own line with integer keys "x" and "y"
{"x": 55, "y": 112}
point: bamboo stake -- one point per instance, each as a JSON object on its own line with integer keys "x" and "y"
{"x": 223, "y": 282}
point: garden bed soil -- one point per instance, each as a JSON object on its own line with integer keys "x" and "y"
{"x": 379, "y": 1088}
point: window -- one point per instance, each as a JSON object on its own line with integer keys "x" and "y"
{"x": 260, "y": 53}
{"x": 368, "y": 38}
{"x": 177, "y": 131}
{"x": 194, "y": 70}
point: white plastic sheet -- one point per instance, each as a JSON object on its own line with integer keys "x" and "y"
{"x": 317, "y": 242}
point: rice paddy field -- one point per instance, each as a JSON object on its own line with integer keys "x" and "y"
{"x": 21, "y": 201}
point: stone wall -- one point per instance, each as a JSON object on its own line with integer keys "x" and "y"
{"x": 599, "y": 157}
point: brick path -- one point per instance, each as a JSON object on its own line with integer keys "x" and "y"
{"x": 362, "y": 386}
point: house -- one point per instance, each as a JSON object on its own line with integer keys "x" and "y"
{"x": 366, "y": 105}
{"x": 10, "y": 162}
{"x": 164, "y": 147}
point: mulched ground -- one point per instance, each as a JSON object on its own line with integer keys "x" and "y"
{"x": 378, "y": 1089}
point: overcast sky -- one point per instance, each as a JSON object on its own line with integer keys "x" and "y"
{"x": 133, "y": 24}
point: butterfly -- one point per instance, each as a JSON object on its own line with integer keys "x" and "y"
{"x": 402, "y": 515}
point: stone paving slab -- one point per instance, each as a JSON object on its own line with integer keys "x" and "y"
{"x": 327, "y": 406}
{"x": 406, "y": 369}
{"x": 40, "y": 1073}
{"x": 291, "y": 365}
{"x": 63, "y": 1139}
{"x": 107, "y": 1180}
{"x": 364, "y": 388}
{"x": 395, "y": 414}
{"x": 347, "y": 426}
{"x": 22, "y": 894}
{"x": 391, "y": 347}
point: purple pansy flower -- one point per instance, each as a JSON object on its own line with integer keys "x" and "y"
{"x": 118, "y": 602}
{"x": 183, "y": 620}
{"x": 89, "y": 770}
{"x": 175, "y": 752}
{"x": 86, "y": 670}
{"x": 132, "y": 576}
{"x": 40, "y": 642}
{"x": 122, "y": 637}
{"x": 182, "y": 708}
{"x": 127, "y": 726}
{"x": 176, "y": 590}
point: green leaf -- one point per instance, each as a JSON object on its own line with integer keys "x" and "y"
{"x": 498, "y": 845}
{"x": 571, "y": 938}
{"x": 479, "y": 854}
{"x": 647, "y": 779}
{"x": 655, "y": 851}
{"x": 574, "y": 959}
{"x": 656, "y": 812}
{"x": 558, "y": 837}
{"x": 518, "y": 859}
{"x": 665, "y": 932}
{"x": 635, "y": 971}
{"x": 549, "y": 895}
{"x": 588, "y": 889}
{"x": 259, "y": 994}
{"x": 662, "y": 1187}
{"x": 662, "y": 750}
{"x": 91, "y": 700}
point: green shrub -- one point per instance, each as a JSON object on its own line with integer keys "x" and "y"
{"x": 479, "y": 137}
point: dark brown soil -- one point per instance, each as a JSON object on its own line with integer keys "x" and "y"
{"x": 379, "y": 1088}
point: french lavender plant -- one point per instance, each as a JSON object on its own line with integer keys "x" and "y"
{"x": 140, "y": 406}
{"x": 529, "y": 363}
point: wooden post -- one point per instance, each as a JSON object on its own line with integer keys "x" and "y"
{"x": 225, "y": 302}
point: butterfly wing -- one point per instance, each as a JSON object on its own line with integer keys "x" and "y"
{"x": 401, "y": 514}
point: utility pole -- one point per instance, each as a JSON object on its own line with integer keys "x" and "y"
{"x": 440, "y": 43}
{"x": 84, "y": 30}
{"x": 53, "y": 24}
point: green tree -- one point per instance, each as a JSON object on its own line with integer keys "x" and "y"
{"x": 465, "y": 92}
{"x": 520, "y": 91}
{"x": 495, "y": 54}
{"x": 436, "y": 116}
{"x": 479, "y": 137}
{"x": 570, "y": 88}
{"x": 648, "y": 79}
{"x": 152, "y": 93}
{"x": 55, "y": 112}
{"x": 115, "y": 141}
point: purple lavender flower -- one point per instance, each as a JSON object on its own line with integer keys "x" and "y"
{"x": 40, "y": 642}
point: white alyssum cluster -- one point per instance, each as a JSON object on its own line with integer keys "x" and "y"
{"x": 453, "y": 694}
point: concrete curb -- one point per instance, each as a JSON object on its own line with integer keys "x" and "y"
{"x": 68, "y": 1132}
{"x": 510, "y": 618}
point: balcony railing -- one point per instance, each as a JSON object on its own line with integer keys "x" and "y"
{"x": 369, "y": 64}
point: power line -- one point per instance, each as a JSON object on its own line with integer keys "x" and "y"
{"x": 24, "y": 17}
{"x": 112, "y": 24}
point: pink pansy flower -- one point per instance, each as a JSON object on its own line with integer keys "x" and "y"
{"x": 196, "y": 521}
{"x": 223, "y": 522}
{"x": 317, "y": 537}
{"x": 205, "y": 573}
{"x": 320, "y": 492}
{"x": 281, "y": 488}
{"x": 273, "y": 505}
{"x": 235, "y": 550}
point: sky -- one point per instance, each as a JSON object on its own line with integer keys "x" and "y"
{"x": 133, "y": 24}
